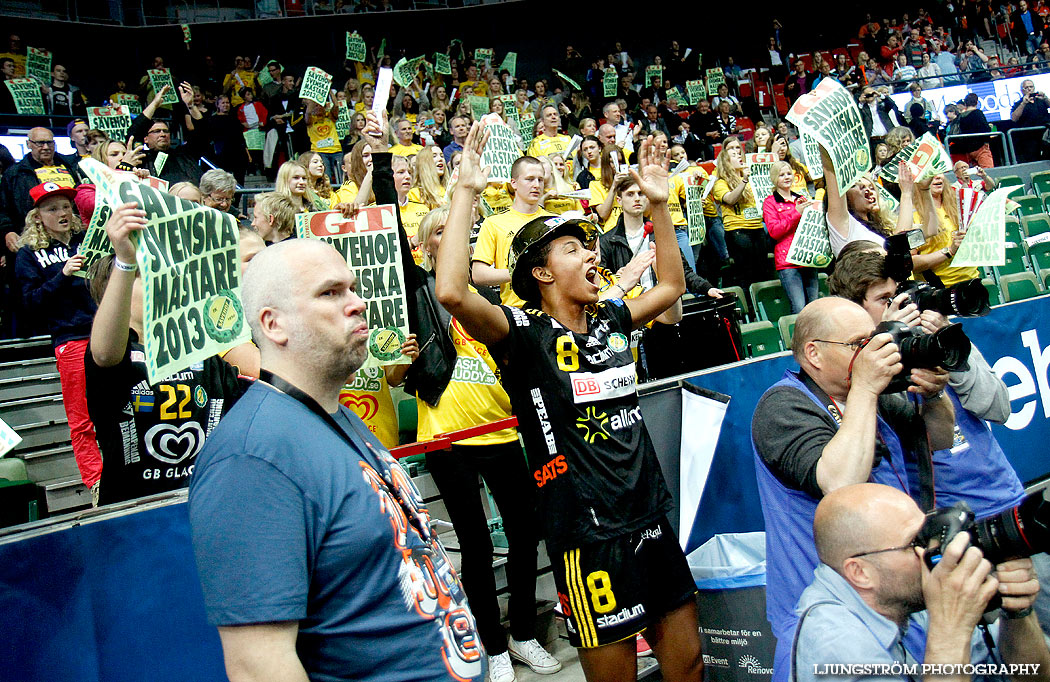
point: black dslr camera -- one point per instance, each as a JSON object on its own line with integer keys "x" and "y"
{"x": 965, "y": 299}
{"x": 948, "y": 348}
{"x": 1015, "y": 533}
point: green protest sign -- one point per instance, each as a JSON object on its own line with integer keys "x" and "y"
{"x": 404, "y": 72}
{"x": 96, "y": 242}
{"x": 483, "y": 54}
{"x": 510, "y": 63}
{"x": 342, "y": 124}
{"x": 695, "y": 92}
{"x": 501, "y": 151}
{"x": 369, "y": 242}
{"x": 510, "y": 111}
{"x": 527, "y": 128}
{"x": 38, "y": 65}
{"x": 158, "y": 78}
{"x": 568, "y": 81}
{"x": 254, "y": 139}
{"x": 442, "y": 64}
{"x": 652, "y": 70}
{"x": 355, "y": 47}
{"x": 189, "y": 256}
{"x": 26, "y": 94}
{"x": 694, "y": 208}
{"x": 479, "y": 106}
{"x": 715, "y": 77}
{"x": 925, "y": 156}
{"x": 317, "y": 85}
{"x": 829, "y": 114}
{"x": 887, "y": 202}
{"x": 610, "y": 83}
{"x": 186, "y": 37}
{"x": 811, "y": 246}
{"x": 130, "y": 101}
{"x": 382, "y": 51}
{"x": 985, "y": 240}
{"x": 811, "y": 156}
{"x": 113, "y": 121}
{"x": 759, "y": 166}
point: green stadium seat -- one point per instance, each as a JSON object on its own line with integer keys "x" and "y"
{"x": 1014, "y": 263}
{"x": 1041, "y": 182}
{"x": 407, "y": 420}
{"x": 760, "y": 338}
{"x": 1044, "y": 277}
{"x": 742, "y": 303}
{"x": 1045, "y": 198}
{"x": 994, "y": 298}
{"x": 771, "y": 301}
{"x": 786, "y": 324}
{"x": 1030, "y": 204}
{"x": 13, "y": 469}
{"x": 1040, "y": 256}
{"x": 1019, "y": 286}
{"x": 1035, "y": 224}
{"x": 1010, "y": 181}
{"x": 1013, "y": 231}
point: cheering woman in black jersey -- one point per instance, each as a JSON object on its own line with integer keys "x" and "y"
{"x": 566, "y": 363}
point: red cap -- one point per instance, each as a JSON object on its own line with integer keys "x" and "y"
{"x": 50, "y": 189}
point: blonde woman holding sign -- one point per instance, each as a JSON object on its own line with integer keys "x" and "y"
{"x": 427, "y": 188}
{"x": 603, "y": 199}
{"x": 741, "y": 218}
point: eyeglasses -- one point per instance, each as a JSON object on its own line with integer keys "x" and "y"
{"x": 852, "y": 345}
{"x": 226, "y": 201}
{"x": 42, "y": 143}
{"x": 911, "y": 545}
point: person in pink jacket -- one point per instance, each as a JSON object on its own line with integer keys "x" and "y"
{"x": 781, "y": 213}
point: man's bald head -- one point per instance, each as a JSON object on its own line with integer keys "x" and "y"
{"x": 607, "y": 134}
{"x": 859, "y": 518}
{"x": 817, "y": 321}
{"x": 274, "y": 275}
{"x": 41, "y": 145}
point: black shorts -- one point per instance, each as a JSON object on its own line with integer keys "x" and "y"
{"x": 614, "y": 589}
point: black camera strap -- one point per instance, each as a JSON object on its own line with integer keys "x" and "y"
{"x": 417, "y": 520}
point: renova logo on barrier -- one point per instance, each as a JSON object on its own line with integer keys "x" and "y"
{"x": 1026, "y": 385}
{"x": 753, "y": 666}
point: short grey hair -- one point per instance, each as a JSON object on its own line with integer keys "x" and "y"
{"x": 217, "y": 180}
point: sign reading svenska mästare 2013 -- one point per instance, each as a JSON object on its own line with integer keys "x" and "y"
{"x": 189, "y": 256}
{"x": 829, "y": 114}
{"x": 371, "y": 247}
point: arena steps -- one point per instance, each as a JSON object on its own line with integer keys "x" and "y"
{"x": 31, "y": 404}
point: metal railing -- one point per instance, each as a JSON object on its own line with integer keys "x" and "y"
{"x": 1007, "y": 151}
{"x": 243, "y": 194}
{"x": 1010, "y": 138}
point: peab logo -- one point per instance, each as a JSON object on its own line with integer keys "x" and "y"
{"x": 1026, "y": 384}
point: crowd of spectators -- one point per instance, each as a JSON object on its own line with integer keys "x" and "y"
{"x": 330, "y": 157}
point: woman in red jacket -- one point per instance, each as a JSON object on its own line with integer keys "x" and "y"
{"x": 781, "y": 213}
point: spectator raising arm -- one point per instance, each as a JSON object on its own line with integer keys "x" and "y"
{"x": 482, "y": 320}
{"x": 109, "y": 332}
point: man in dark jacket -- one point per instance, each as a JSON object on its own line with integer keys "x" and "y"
{"x": 975, "y": 150}
{"x": 179, "y": 164}
{"x": 41, "y": 164}
{"x": 633, "y": 234}
{"x": 1028, "y": 28}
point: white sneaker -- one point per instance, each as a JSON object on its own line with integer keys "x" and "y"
{"x": 532, "y": 654}
{"x": 500, "y": 668}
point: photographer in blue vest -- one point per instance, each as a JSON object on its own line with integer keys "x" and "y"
{"x": 830, "y": 425}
